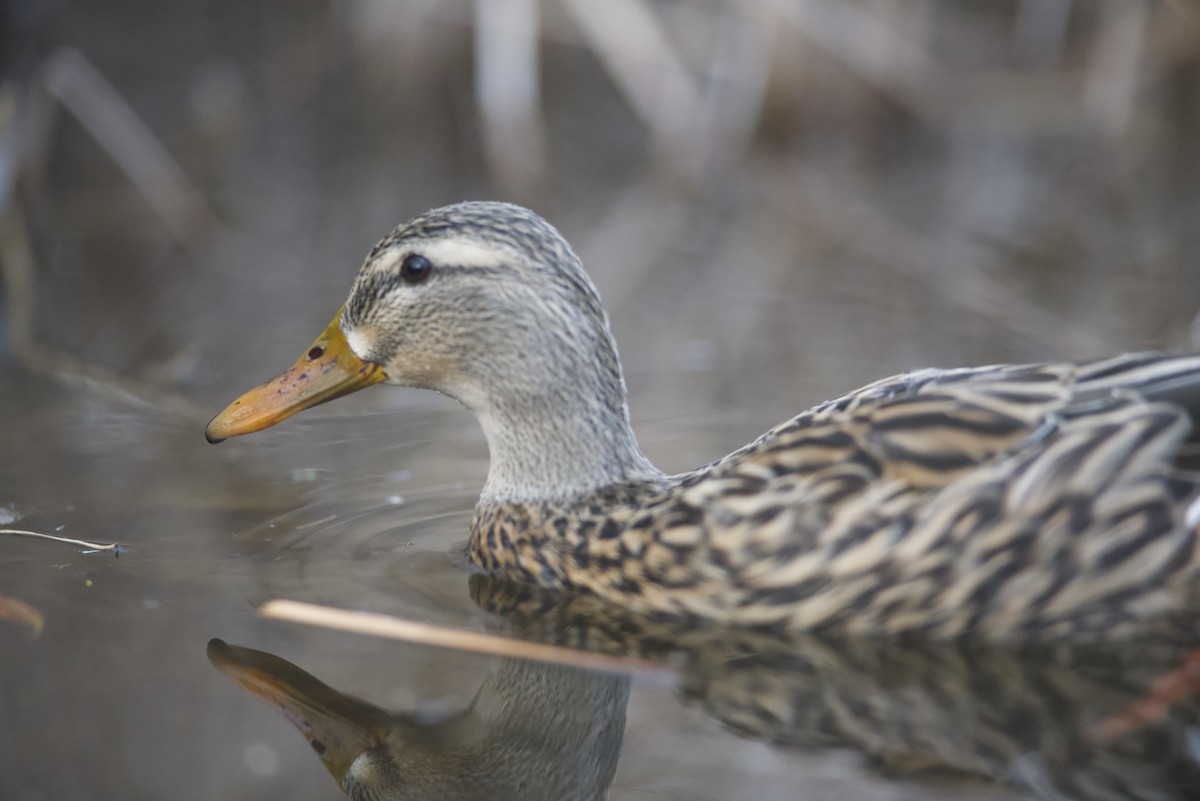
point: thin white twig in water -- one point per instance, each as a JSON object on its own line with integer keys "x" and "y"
{"x": 91, "y": 547}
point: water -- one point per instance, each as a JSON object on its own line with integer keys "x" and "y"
{"x": 863, "y": 228}
{"x": 117, "y": 699}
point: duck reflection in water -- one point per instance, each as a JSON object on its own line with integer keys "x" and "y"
{"x": 1064, "y": 722}
{"x": 534, "y": 732}
{"x": 1089, "y": 723}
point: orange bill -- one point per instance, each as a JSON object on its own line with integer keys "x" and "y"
{"x": 338, "y": 727}
{"x": 328, "y": 370}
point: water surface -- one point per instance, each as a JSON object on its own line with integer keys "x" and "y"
{"x": 116, "y": 698}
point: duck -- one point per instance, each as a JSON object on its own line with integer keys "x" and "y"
{"x": 1033, "y": 502}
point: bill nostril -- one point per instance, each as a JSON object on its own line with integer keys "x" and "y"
{"x": 316, "y": 352}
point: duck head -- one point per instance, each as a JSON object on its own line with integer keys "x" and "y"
{"x": 487, "y": 303}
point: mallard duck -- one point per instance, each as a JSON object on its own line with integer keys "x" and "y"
{"x": 1014, "y": 502}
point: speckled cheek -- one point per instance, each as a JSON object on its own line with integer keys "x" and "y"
{"x": 420, "y": 368}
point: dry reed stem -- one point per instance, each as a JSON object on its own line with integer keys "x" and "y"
{"x": 630, "y": 42}
{"x": 869, "y": 47}
{"x": 1187, "y": 10}
{"x": 507, "y": 93}
{"x": 82, "y": 90}
{"x": 954, "y": 271}
{"x": 74, "y": 82}
{"x": 394, "y": 628}
{"x": 17, "y": 278}
{"x": 1155, "y": 705}
{"x": 1111, "y": 85}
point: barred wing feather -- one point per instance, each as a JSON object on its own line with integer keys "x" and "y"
{"x": 1006, "y": 501}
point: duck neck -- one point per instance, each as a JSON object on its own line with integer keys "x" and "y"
{"x": 559, "y": 440}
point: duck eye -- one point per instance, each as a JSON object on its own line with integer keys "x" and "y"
{"x": 415, "y": 268}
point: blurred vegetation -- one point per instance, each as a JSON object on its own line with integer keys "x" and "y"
{"x": 780, "y": 199}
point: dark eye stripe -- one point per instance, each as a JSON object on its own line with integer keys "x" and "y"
{"x": 392, "y": 280}
{"x": 374, "y": 287}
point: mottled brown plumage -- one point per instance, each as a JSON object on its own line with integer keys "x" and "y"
{"x": 1005, "y": 502}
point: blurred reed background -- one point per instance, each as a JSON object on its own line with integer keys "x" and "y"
{"x": 779, "y": 199}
